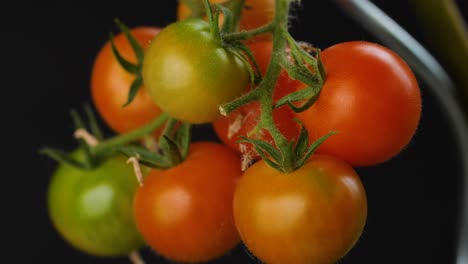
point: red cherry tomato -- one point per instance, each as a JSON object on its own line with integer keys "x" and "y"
{"x": 371, "y": 97}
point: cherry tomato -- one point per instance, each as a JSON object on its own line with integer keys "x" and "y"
{"x": 185, "y": 213}
{"x": 110, "y": 85}
{"x": 255, "y": 14}
{"x": 314, "y": 214}
{"x": 244, "y": 120}
{"x": 371, "y": 97}
{"x": 188, "y": 73}
{"x": 92, "y": 209}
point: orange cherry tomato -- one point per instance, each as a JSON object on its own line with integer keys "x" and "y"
{"x": 314, "y": 214}
{"x": 185, "y": 213}
{"x": 110, "y": 85}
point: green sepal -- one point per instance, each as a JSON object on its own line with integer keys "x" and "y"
{"x": 310, "y": 94}
{"x": 63, "y": 157}
{"x": 183, "y": 138}
{"x": 170, "y": 150}
{"x": 126, "y": 65}
{"x": 228, "y": 24}
{"x": 80, "y": 124}
{"x": 300, "y": 71}
{"x": 320, "y": 66}
{"x": 93, "y": 123}
{"x": 145, "y": 156}
{"x": 137, "y": 48}
{"x": 255, "y": 73}
{"x": 213, "y": 20}
{"x": 312, "y": 148}
{"x": 302, "y": 141}
{"x": 134, "y": 88}
{"x": 267, "y": 152}
{"x": 236, "y": 7}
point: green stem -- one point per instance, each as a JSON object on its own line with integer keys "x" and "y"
{"x": 116, "y": 141}
{"x": 253, "y": 95}
{"x": 213, "y": 20}
{"x": 236, "y": 6}
{"x": 244, "y": 35}
{"x": 269, "y": 82}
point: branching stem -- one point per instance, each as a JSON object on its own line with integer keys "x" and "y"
{"x": 116, "y": 141}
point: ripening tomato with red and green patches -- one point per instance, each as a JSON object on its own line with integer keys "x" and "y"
{"x": 314, "y": 214}
{"x": 189, "y": 73}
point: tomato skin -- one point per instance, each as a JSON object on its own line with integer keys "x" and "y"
{"x": 92, "y": 210}
{"x": 372, "y": 99}
{"x": 110, "y": 85}
{"x": 312, "y": 215}
{"x": 247, "y": 116}
{"x": 189, "y": 74}
{"x": 258, "y": 13}
{"x": 185, "y": 213}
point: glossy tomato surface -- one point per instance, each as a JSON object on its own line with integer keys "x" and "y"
{"x": 110, "y": 84}
{"x": 189, "y": 74}
{"x": 92, "y": 209}
{"x": 371, "y": 98}
{"x": 185, "y": 213}
{"x": 314, "y": 214}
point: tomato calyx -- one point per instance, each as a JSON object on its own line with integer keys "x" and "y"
{"x": 90, "y": 161}
{"x": 302, "y": 63}
{"x": 226, "y": 35}
{"x": 173, "y": 146}
{"x": 300, "y": 69}
{"x": 126, "y": 65}
{"x": 96, "y": 154}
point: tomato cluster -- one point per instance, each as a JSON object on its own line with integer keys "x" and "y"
{"x": 207, "y": 197}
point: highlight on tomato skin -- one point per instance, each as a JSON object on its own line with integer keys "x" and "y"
{"x": 185, "y": 213}
{"x": 110, "y": 84}
{"x": 371, "y": 98}
{"x": 315, "y": 214}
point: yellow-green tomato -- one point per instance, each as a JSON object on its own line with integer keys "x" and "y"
{"x": 93, "y": 209}
{"x": 189, "y": 74}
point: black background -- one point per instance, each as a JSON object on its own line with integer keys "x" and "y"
{"x": 47, "y": 50}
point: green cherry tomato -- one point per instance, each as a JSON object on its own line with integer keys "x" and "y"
{"x": 93, "y": 209}
{"x": 188, "y": 73}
